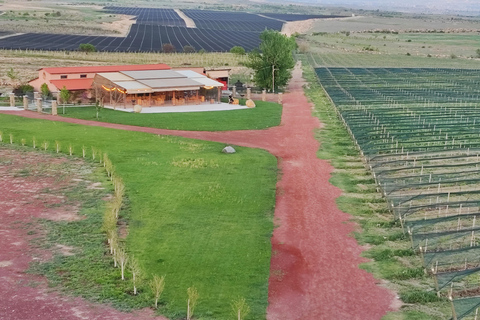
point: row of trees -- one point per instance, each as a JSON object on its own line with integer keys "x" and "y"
{"x": 166, "y": 48}
{"x": 123, "y": 260}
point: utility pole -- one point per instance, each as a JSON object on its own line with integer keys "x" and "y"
{"x": 273, "y": 78}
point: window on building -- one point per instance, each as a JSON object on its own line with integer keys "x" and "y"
{"x": 63, "y": 76}
{"x": 83, "y": 76}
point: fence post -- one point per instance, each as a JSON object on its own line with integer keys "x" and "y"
{"x": 54, "y": 108}
{"x": 264, "y": 95}
{"x": 280, "y": 98}
{"x": 249, "y": 93}
{"x": 12, "y": 99}
{"x": 25, "y": 102}
{"x": 234, "y": 91}
{"x": 39, "y": 104}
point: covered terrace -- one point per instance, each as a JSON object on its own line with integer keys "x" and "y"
{"x": 155, "y": 88}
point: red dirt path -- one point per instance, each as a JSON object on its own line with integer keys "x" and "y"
{"x": 314, "y": 267}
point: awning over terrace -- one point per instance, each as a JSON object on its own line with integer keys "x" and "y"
{"x": 156, "y": 87}
{"x": 159, "y": 85}
{"x": 205, "y": 81}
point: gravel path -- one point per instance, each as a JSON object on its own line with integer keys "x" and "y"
{"x": 314, "y": 266}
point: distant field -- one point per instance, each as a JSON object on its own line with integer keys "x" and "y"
{"x": 456, "y": 50}
{"x": 397, "y": 22}
{"x": 215, "y": 31}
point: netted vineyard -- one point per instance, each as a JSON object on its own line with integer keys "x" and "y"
{"x": 419, "y": 133}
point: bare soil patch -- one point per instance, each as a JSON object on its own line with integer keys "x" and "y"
{"x": 122, "y": 26}
{"x": 33, "y": 185}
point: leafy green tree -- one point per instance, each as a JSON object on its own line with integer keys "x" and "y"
{"x": 98, "y": 107}
{"x": 45, "y": 91}
{"x": 64, "y": 96}
{"x": 238, "y": 50}
{"x": 273, "y": 62}
{"x": 478, "y": 53}
{"x": 13, "y": 75}
{"x": 87, "y": 47}
{"x": 25, "y": 88}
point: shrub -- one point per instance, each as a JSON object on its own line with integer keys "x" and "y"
{"x": 188, "y": 49}
{"x": 303, "y": 47}
{"x": 237, "y": 50}
{"x": 419, "y": 296}
{"x": 45, "y": 90}
{"x": 87, "y": 47}
{"x": 23, "y": 89}
{"x": 168, "y": 48}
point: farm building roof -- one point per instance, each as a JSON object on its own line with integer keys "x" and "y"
{"x": 97, "y": 69}
{"x": 73, "y": 84}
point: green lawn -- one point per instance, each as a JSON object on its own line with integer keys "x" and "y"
{"x": 264, "y": 115}
{"x": 196, "y": 215}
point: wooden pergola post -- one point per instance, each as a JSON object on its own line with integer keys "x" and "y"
{"x": 173, "y": 98}
{"x": 219, "y": 94}
{"x": 25, "y": 102}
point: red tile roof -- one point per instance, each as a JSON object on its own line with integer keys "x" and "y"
{"x": 73, "y": 84}
{"x": 97, "y": 69}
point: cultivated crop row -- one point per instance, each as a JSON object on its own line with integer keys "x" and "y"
{"x": 232, "y": 21}
{"x": 162, "y": 17}
{"x": 142, "y": 38}
{"x": 419, "y": 132}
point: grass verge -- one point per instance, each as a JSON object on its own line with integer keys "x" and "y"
{"x": 264, "y": 115}
{"x": 196, "y": 215}
{"x": 391, "y": 257}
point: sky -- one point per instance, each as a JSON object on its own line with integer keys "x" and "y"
{"x": 471, "y": 7}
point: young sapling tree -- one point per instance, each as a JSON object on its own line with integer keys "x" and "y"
{"x": 157, "y": 285}
{"x": 240, "y": 308}
{"x": 192, "y": 301}
{"x": 122, "y": 258}
{"x": 136, "y": 273}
